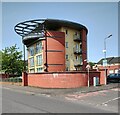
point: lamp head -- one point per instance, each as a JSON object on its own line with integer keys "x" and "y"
{"x": 109, "y": 36}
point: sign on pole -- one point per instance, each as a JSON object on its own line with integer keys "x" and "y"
{"x": 104, "y": 62}
{"x": 88, "y": 66}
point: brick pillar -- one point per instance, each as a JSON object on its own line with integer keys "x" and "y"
{"x": 102, "y": 76}
{"x": 25, "y": 79}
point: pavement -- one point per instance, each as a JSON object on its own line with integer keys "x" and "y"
{"x": 61, "y": 92}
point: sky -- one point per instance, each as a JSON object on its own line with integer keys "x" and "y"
{"x": 100, "y": 18}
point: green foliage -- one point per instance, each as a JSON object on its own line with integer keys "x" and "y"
{"x": 12, "y": 60}
{"x": 1, "y": 61}
{"x": 91, "y": 64}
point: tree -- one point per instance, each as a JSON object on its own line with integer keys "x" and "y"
{"x": 12, "y": 62}
{"x": 91, "y": 64}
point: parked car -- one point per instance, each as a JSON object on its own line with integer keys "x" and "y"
{"x": 114, "y": 77}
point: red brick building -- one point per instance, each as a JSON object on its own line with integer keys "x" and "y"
{"x": 113, "y": 65}
{"x": 55, "y": 47}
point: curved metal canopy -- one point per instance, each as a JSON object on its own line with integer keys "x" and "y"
{"x": 25, "y": 28}
{"x": 35, "y": 28}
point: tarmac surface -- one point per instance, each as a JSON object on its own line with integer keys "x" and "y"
{"x": 61, "y": 92}
{"x": 105, "y": 97}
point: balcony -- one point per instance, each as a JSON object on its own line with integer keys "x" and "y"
{"x": 77, "y": 51}
{"x": 77, "y": 38}
{"x": 33, "y": 35}
{"x": 78, "y": 63}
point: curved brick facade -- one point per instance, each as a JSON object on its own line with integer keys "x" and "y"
{"x": 55, "y": 51}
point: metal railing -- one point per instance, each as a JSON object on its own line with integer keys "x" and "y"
{"x": 77, "y": 50}
{"x": 78, "y": 63}
{"x": 33, "y": 35}
{"x": 77, "y": 38}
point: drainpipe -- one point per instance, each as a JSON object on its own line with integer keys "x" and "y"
{"x": 24, "y": 56}
{"x": 46, "y": 49}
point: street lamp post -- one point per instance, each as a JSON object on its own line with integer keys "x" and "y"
{"x": 105, "y": 61}
{"x": 24, "y": 56}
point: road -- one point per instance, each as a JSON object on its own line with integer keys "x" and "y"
{"x": 26, "y": 102}
{"x": 104, "y": 99}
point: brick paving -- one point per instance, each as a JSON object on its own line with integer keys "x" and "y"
{"x": 90, "y": 94}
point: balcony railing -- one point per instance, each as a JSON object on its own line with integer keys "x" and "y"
{"x": 77, "y": 38}
{"x": 77, "y": 51}
{"x": 33, "y": 35}
{"x": 78, "y": 63}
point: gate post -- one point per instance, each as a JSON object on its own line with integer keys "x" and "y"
{"x": 24, "y": 79}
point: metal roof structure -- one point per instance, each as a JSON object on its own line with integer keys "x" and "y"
{"x": 35, "y": 28}
{"x": 110, "y": 60}
{"x": 25, "y": 28}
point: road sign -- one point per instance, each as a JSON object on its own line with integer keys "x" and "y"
{"x": 104, "y": 62}
{"x": 88, "y": 66}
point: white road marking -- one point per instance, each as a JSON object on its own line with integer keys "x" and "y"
{"x": 110, "y": 100}
{"x": 70, "y": 98}
{"x": 5, "y": 87}
{"x": 26, "y": 92}
{"x": 105, "y": 105}
{"x": 116, "y": 89}
{"x": 21, "y": 91}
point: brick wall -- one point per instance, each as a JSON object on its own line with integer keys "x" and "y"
{"x": 60, "y": 79}
{"x": 110, "y": 67}
{"x": 102, "y": 76}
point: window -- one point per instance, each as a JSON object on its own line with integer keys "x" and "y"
{"x": 38, "y": 47}
{"x": 39, "y": 60}
{"x": 77, "y": 47}
{"x": 66, "y": 31}
{"x": 66, "y": 44}
{"x": 31, "y": 49}
{"x": 111, "y": 71}
{"x": 32, "y": 70}
{"x": 32, "y": 62}
{"x": 76, "y": 33}
{"x": 81, "y": 60}
{"x": 67, "y": 69}
{"x": 66, "y": 57}
{"x": 39, "y": 69}
{"x": 116, "y": 70}
{"x": 76, "y": 58}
